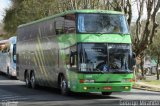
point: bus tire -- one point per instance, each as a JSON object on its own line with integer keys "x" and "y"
{"x": 33, "y": 81}
{"x": 27, "y": 80}
{"x": 64, "y": 86}
{"x": 106, "y": 93}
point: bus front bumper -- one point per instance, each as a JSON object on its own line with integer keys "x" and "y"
{"x": 102, "y": 87}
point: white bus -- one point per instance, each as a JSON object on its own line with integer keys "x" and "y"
{"x": 8, "y": 56}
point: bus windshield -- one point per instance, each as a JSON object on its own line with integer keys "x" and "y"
{"x": 104, "y": 57}
{"x": 102, "y": 23}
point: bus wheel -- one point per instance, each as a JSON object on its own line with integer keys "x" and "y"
{"x": 106, "y": 93}
{"x": 27, "y": 80}
{"x": 33, "y": 80}
{"x": 63, "y": 86}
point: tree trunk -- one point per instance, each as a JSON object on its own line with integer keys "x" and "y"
{"x": 157, "y": 68}
{"x": 141, "y": 66}
{"x": 141, "y": 56}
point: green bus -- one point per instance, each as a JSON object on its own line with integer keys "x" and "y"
{"x": 78, "y": 51}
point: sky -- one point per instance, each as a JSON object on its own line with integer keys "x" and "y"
{"x": 135, "y": 12}
{"x": 3, "y": 5}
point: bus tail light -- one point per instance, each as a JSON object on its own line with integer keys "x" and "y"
{"x": 81, "y": 81}
{"x": 131, "y": 80}
{"x": 86, "y": 81}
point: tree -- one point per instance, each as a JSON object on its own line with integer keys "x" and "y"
{"x": 143, "y": 36}
{"x": 153, "y": 49}
{"x": 24, "y": 11}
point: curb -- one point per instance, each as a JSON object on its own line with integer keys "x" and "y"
{"x": 145, "y": 87}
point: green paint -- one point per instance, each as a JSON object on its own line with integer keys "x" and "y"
{"x": 102, "y": 38}
{"x": 71, "y": 39}
{"x": 100, "y": 81}
{"x": 65, "y": 41}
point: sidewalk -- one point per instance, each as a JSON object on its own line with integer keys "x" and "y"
{"x": 144, "y": 86}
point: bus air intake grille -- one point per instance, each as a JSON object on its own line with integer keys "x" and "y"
{"x": 107, "y": 82}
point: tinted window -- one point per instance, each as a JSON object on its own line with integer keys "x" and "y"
{"x": 102, "y": 23}
{"x": 70, "y": 24}
{"x": 14, "y": 53}
{"x": 115, "y": 57}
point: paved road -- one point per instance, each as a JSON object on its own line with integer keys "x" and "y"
{"x": 14, "y": 93}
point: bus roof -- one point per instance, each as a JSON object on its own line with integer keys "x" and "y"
{"x": 70, "y": 12}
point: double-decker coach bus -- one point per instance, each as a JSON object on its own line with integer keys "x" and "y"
{"x": 8, "y": 56}
{"x": 78, "y": 50}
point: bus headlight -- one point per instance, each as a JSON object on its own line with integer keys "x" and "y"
{"x": 126, "y": 87}
{"x": 85, "y": 88}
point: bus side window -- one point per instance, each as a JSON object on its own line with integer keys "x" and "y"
{"x": 67, "y": 57}
{"x": 73, "y": 57}
{"x": 59, "y": 25}
{"x": 69, "y": 24}
{"x": 14, "y": 53}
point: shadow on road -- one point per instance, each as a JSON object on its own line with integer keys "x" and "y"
{"x": 18, "y": 88}
{"x": 75, "y": 95}
{"x": 3, "y": 76}
{"x": 48, "y": 94}
{"x": 141, "y": 92}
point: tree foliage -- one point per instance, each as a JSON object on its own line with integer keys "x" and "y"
{"x": 154, "y": 51}
{"x": 23, "y": 11}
